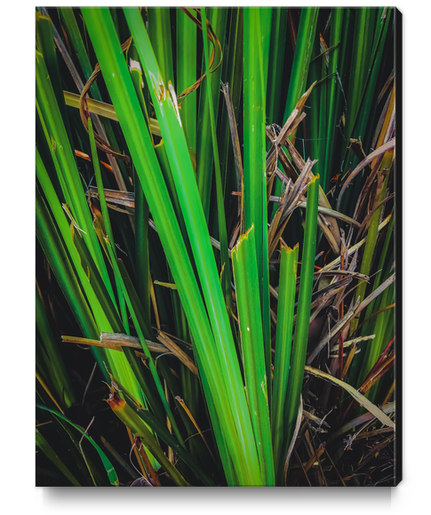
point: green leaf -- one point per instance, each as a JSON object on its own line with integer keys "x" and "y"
{"x": 304, "y": 305}
{"x": 255, "y": 194}
{"x": 283, "y": 350}
{"x": 109, "y": 468}
{"x": 256, "y": 381}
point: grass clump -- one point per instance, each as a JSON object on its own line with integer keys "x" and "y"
{"x": 215, "y": 259}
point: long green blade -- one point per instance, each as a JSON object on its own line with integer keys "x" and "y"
{"x": 247, "y": 296}
{"x": 283, "y": 350}
{"x": 304, "y": 305}
{"x": 255, "y": 209}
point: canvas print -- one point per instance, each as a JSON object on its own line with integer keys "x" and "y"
{"x": 218, "y": 229}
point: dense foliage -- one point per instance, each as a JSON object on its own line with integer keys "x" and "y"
{"x": 216, "y": 255}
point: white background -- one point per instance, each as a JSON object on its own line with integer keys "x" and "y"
{"x": 17, "y": 232}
